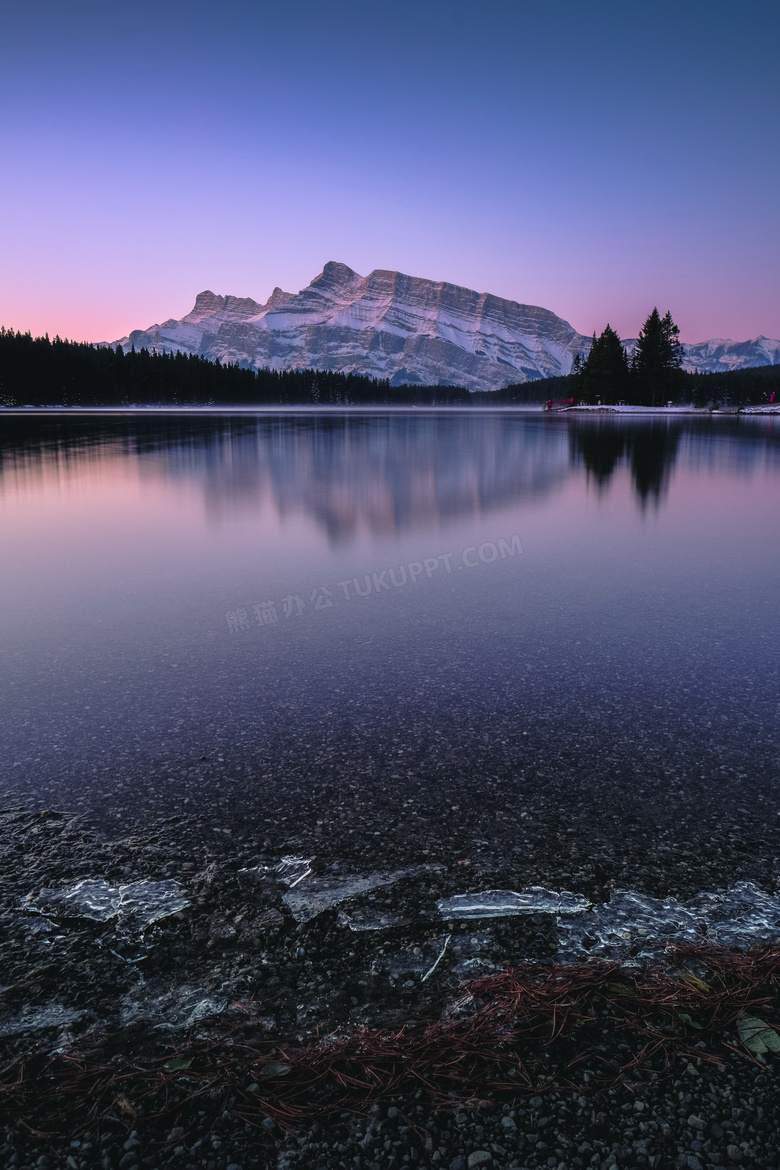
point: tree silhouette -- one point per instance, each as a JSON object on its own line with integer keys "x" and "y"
{"x": 657, "y": 361}
{"x": 604, "y": 375}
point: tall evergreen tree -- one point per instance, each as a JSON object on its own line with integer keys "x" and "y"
{"x": 604, "y": 375}
{"x": 657, "y": 360}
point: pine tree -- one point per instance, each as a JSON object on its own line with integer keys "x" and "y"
{"x": 573, "y": 382}
{"x": 657, "y": 360}
{"x": 604, "y": 375}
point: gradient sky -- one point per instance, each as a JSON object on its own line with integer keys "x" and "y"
{"x": 595, "y": 159}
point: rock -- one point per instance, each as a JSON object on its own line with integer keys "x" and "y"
{"x": 458, "y": 1163}
{"x": 270, "y": 919}
{"x": 695, "y": 1122}
{"x": 508, "y": 1123}
{"x": 479, "y": 1158}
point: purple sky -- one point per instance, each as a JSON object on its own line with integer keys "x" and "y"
{"x": 594, "y": 159}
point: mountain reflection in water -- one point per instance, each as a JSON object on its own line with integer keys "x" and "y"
{"x": 380, "y": 473}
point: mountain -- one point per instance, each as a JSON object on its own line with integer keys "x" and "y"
{"x": 721, "y": 354}
{"x": 403, "y": 328}
{"x": 386, "y": 325}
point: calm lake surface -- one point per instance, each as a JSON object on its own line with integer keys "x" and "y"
{"x": 261, "y": 619}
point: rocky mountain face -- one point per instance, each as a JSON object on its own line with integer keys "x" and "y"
{"x": 385, "y": 325}
{"x": 403, "y": 328}
{"x": 723, "y": 354}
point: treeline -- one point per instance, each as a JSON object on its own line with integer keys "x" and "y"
{"x": 750, "y": 387}
{"x": 651, "y": 375}
{"x": 755, "y": 386}
{"x": 36, "y": 371}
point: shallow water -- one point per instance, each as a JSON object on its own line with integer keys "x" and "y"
{"x": 369, "y": 629}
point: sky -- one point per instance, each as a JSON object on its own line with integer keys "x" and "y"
{"x": 596, "y": 159}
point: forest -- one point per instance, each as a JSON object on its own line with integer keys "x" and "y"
{"x": 36, "y": 371}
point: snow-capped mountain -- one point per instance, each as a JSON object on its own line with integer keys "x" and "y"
{"x": 723, "y": 354}
{"x": 385, "y": 325}
{"x": 403, "y": 328}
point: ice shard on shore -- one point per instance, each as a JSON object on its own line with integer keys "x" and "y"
{"x": 506, "y": 903}
{"x": 291, "y": 870}
{"x": 631, "y": 922}
{"x": 316, "y": 894}
{"x": 135, "y": 905}
{"x": 739, "y": 917}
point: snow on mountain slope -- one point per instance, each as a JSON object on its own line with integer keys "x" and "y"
{"x": 724, "y": 354}
{"x": 403, "y": 328}
{"x": 386, "y": 325}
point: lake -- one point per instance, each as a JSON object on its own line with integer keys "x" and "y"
{"x": 397, "y": 634}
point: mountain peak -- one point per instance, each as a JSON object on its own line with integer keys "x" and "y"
{"x": 278, "y": 297}
{"x": 340, "y": 275}
{"x": 403, "y": 328}
{"x": 206, "y": 303}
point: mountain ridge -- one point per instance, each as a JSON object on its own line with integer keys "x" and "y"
{"x": 403, "y": 328}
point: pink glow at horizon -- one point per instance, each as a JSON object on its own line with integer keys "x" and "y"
{"x": 592, "y": 161}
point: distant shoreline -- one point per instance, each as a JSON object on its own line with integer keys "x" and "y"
{"x": 665, "y": 410}
{"x": 379, "y": 408}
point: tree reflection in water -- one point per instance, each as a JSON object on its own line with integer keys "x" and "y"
{"x": 649, "y": 446}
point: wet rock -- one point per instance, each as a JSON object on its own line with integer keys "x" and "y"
{"x": 270, "y": 919}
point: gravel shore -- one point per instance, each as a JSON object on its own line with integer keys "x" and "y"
{"x": 234, "y": 958}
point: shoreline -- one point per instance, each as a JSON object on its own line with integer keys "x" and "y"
{"x": 234, "y": 962}
{"x": 668, "y": 411}
{"x": 378, "y": 408}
